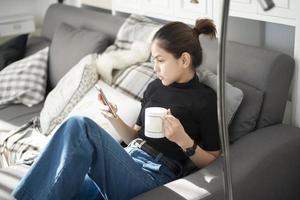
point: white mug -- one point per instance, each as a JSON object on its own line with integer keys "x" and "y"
{"x": 154, "y": 122}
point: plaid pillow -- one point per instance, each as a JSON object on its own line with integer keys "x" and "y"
{"x": 134, "y": 80}
{"x": 135, "y": 28}
{"x": 24, "y": 81}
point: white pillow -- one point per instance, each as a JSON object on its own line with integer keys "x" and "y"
{"x": 89, "y": 106}
{"x": 233, "y": 95}
{"x": 68, "y": 92}
{"x": 24, "y": 81}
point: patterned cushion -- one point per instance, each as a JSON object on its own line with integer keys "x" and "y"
{"x": 24, "y": 81}
{"x": 135, "y": 28}
{"x": 22, "y": 145}
{"x": 67, "y": 93}
{"x": 135, "y": 79}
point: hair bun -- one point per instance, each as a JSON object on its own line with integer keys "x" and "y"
{"x": 197, "y": 30}
{"x": 205, "y": 26}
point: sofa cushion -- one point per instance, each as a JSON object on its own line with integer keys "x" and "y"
{"x": 246, "y": 117}
{"x": 68, "y": 92}
{"x": 69, "y": 46}
{"x": 22, "y": 145}
{"x": 134, "y": 80}
{"x": 136, "y": 28}
{"x": 24, "y": 81}
{"x": 120, "y": 59}
{"x": 12, "y": 50}
{"x": 233, "y": 95}
{"x": 89, "y": 106}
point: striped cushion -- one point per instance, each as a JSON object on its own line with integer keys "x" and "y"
{"x": 21, "y": 145}
{"x": 135, "y": 28}
{"x": 134, "y": 80}
{"x": 24, "y": 81}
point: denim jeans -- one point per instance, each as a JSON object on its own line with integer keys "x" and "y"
{"x": 82, "y": 161}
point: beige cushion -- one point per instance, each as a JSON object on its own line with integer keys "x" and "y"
{"x": 67, "y": 93}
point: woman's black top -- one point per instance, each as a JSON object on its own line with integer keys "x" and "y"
{"x": 194, "y": 104}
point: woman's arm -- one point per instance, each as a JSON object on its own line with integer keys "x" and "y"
{"x": 126, "y": 132}
{"x": 175, "y": 132}
{"x": 201, "y": 158}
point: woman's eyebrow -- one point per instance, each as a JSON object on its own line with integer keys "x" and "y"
{"x": 157, "y": 56}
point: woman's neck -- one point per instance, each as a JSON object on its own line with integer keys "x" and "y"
{"x": 186, "y": 77}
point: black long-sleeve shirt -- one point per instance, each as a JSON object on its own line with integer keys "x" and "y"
{"x": 194, "y": 104}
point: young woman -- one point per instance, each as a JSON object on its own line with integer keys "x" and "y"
{"x": 82, "y": 161}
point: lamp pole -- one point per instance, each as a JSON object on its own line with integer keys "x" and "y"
{"x": 221, "y": 78}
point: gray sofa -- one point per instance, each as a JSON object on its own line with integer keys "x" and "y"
{"x": 265, "y": 161}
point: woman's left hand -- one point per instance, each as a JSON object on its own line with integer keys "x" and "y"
{"x": 174, "y": 130}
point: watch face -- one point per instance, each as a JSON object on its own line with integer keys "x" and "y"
{"x": 190, "y": 151}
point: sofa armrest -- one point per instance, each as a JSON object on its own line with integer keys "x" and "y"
{"x": 265, "y": 165}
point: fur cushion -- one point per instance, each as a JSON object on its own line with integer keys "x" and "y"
{"x": 120, "y": 59}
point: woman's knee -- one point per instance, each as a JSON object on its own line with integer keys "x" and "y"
{"x": 83, "y": 123}
{"x": 75, "y": 124}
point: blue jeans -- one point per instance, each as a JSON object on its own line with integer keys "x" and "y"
{"x": 82, "y": 161}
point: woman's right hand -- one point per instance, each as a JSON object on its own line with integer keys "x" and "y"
{"x": 105, "y": 110}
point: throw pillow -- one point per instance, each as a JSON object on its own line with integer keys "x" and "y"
{"x": 233, "y": 95}
{"x": 24, "y": 81}
{"x": 136, "y": 28}
{"x": 247, "y": 115}
{"x": 121, "y": 59}
{"x": 69, "y": 45}
{"x": 89, "y": 106}
{"x": 141, "y": 73}
{"x": 67, "y": 93}
{"x": 12, "y": 50}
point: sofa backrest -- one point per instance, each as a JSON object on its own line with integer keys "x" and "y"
{"x": 267, "y": 70}
{"x": 79, "y": 18}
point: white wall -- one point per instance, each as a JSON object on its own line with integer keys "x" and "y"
{"x": 246, "y": 31}
{"x": 37, "y": 8}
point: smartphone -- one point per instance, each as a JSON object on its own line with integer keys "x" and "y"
{"x": 105, "y": 101}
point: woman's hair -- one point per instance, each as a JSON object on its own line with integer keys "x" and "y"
{"x": 177, "y": 37}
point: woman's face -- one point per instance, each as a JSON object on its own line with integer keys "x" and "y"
{"x": 168, "y": 69}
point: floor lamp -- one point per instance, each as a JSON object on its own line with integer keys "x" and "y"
{"x": 223, "y": 129}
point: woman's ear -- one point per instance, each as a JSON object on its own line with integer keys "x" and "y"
{"x": 186, "y": 59}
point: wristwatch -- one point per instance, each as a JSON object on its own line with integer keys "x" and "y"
{"x": 191, "y": 150}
